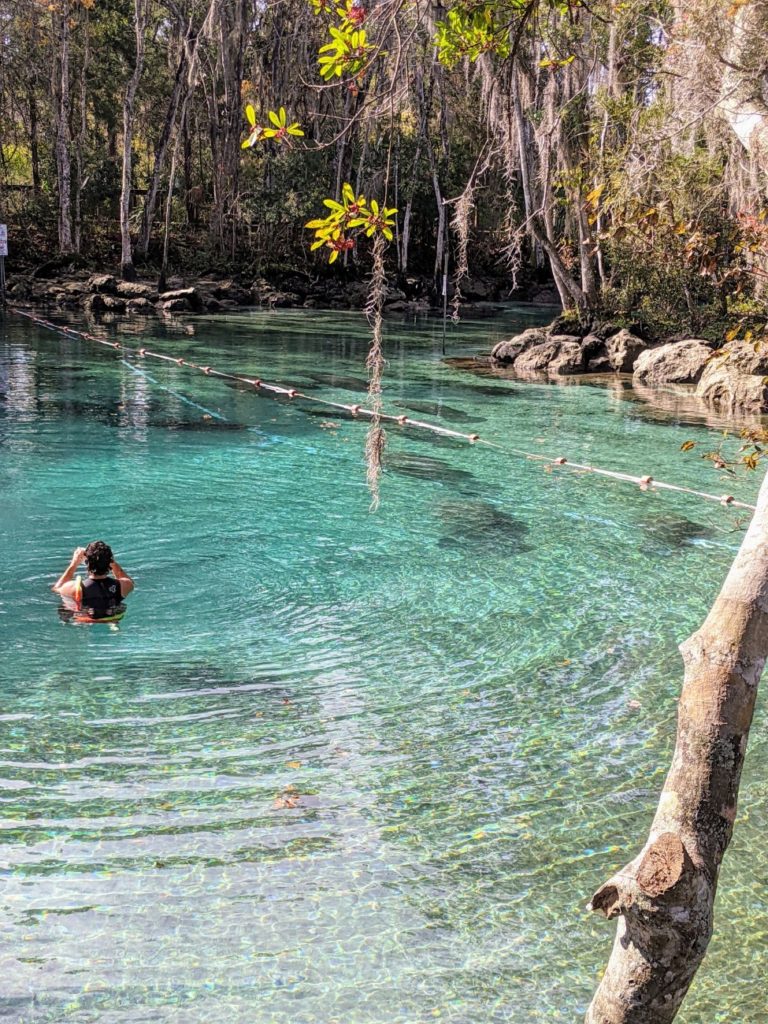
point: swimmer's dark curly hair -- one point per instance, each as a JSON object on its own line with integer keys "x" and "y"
{"x": 98, "y": 557}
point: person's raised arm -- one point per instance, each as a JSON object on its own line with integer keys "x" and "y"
{"x": 61, "y": 586}
{"x": 125, "y": 581}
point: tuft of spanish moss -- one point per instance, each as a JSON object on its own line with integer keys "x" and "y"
{"x": 374, "y": 311}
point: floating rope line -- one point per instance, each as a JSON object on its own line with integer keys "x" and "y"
{"x": 358, "y": 411}
{"x": 170, "y": 391}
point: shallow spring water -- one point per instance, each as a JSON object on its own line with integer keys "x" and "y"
{"x": 335, "y": 767}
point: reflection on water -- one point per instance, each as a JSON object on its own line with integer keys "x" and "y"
{"x": 337, "y": 766}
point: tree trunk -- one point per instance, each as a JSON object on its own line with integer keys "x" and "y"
{"x": 161, "y": 146}
{"x": 82, "y": 133}
{"x": 141, "y": 12}
{"x": 190, "y": 84}
{"x": 63, "y": 136}
{"x": 664, "y": 898}
{"x": 34, "y": 150}
{"x": 226, "y": 120}
{"x": 34, "y": 143}
{"x": 741, "y": 96}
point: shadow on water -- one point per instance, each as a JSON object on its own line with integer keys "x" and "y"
{"x": 462, "y": 391}
{"x": 209, "y": 424}
{"x": 424, "y": 467}
{"x": 338, "y": 380}
{"x": 445, "y": 412}
{"x": 478, "y": 526}
{"x": 670, "y": 533}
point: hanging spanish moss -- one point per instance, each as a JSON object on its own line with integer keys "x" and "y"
{"x": 465, "y": 204}
{"x": 374, "y": 310}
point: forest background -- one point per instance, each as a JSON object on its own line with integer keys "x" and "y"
{"x": 619, "y": 148}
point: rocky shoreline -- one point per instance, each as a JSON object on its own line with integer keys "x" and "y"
{"x": 731, "y": 380}
{"x": 104, "y": 293}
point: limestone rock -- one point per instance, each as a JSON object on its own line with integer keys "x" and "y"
{"x": 94, "y": 303}
{"x": 622, "y": 349}
{"x": 569, "y": 323}
{"x": 560, "y": 355}
{"x": 681, "y": 362}
{"x": 740, "y": 356}
{"x": 136, "y": 290}
{"x": 599, "y": 364}
{"x": 181, "y": 299}
{"x": 178, "y": 304}
{"x": 21, "y": 290}
{"x": 73, "y": 288}
{"x": 569, "y": 361}
{"x": 507, "y": 351}
{"x": 730, "y": 390}
{"x": 139, "y": 305}
{"x": 233, "y": 292}
{"x": 105, "y": 284}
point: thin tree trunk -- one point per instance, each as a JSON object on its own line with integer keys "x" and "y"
{"x": 161, "y": 148}
{"x": 191, "y": 82}
{"x": 586, "y": 256}
{"x": 34, "y": 142}
{"x": 63, "y": 136}
{"x": 440, "y": 235}
{"x": 127, "y": 269}
{"x": 231, "y": 21}
{"x": 34, "y": 150}
{"x": 522, "y": 156}
{"x": 664, "y": 898}
{"x": 81, "y": 135}
{"x": 406, "y": 235}
{"x": 189, "y": 192}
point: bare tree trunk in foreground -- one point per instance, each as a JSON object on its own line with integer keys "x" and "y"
{"x": 664, "y": 897}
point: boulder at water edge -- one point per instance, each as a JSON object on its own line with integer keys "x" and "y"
{"x": 680, "y": 362}
{"x": 559, "y": 355}
{"x": 730, "y": 390}
{"x": 622, "y": 349}
{"x": 506, "y": 352}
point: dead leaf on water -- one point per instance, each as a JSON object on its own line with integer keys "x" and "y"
{"x": 286, "y": 800}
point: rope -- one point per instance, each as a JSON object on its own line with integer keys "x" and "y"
{"x": 644, "y": 482}
{"x": 170, "y": 391}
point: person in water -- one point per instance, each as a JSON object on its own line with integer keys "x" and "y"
{"x": 99, "y": 597}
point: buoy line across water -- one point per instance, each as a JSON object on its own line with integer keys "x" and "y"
{"x": 646, "y": 482}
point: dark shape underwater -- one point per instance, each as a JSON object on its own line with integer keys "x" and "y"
{"x": 478, "y": 526}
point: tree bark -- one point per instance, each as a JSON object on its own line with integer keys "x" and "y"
{"x": 141, "y": 13}
{"x": 190, "y": 84}
{"x": 664, "y": 898}
{"x": 741, "y": 97}
{"x": 63, "y": 135}
{"x": 226, "y": 119}
{"x": 80, "y": 179}
{"x": 161, "y": 146}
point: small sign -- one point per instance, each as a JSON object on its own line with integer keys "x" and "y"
{"x": 3, "y": 239}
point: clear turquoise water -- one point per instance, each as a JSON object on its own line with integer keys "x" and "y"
{"x": 445, "y": 684}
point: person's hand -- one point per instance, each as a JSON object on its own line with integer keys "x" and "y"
{"x": 78, "y": 555}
